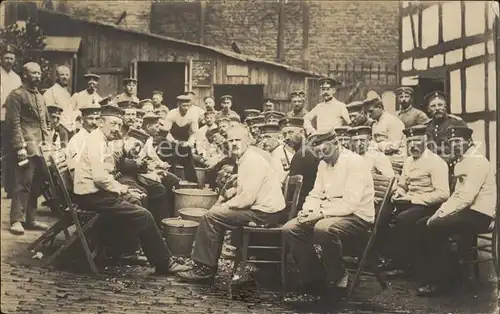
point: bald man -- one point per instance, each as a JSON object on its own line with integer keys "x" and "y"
{"x": 26, "y": 123}
{"x": 59, "y": 95}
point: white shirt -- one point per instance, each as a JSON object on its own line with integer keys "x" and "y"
{"x": 83, "y": 98}
{"x": 425, "y": 180}
{"x": 281, "y": 157}
{"x": 199, "y": 139}
{"x": 8, "y": 82}
{"x": 476, "y": 187}
{"x": 378, "y": 163}
{"x": 258, "y": 186}
{"x": 60, "y": 96}
{"x": 75, "y": 147}
{"x": 174, "y": 115}
{"x": 343, "y": 189}
{"x": 197, "y": 112}
{"x": 388, "y": 132}
{"x": 329, "y": 115}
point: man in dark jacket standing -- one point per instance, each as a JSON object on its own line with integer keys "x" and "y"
{"x": 26, "y": 122}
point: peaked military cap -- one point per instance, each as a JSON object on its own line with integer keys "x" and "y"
{"x": 269, "y": 128}
{"x": 138, "y": 134}
{"x": 140, "y": 113}
{"x": 109, "y": 110}
{"x": 54, "y": 108}
{"x": 434, "y": 95}
{"x": 328, "y": 82}
{"x": 252, "y": 112}
{"x": 404, "y": 89}
{"x": 416, "y": 130}
{"x": 226, "y": 97}
{"x": 301, "y": 94}
{"x": 372, "y": 102}
{"x": 291, "y": 122}
{"x": 274, "y": 114}
{"x": 183, "y": 98}
{"x": 212, "y": 132}
{"x": 189, "y": 93}
{"x": 91, "y": 76}
{"x": 161, "y": 109}
{"x": 129, "y": 79}
{"x": 459, "y": 131}
{"x": 157, "y": 92}
{"x": 127, "y": 104}
{"x": 342, "y": 131}
{"x": 318, "y": 139}
{"x": 268, "y": 100}
{"x": 9, "y": 49}
{"x": 258, "y": 120}
{"x": 359, "y": 131}
{"x": 209, "y": 111}
{"x": 145, "y": 101}
{"x": 206, "y": 97}
{"x": 355, "y": 106}
{"x": 90, "y": 109}
{"x": 151, "y": 117}
{"x": 105, "y": 100}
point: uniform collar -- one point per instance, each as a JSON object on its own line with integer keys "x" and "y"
{"x": 406, "y": 110}
{"x": 33, "y": 90}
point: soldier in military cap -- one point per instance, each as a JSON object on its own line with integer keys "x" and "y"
{"x": 58, "y": 134}
{"x": 281, "y": 154}
{"x": 378, "y": 162}
{"x": 272, "y": 116}
{"x": 254, "y": 124}
{"x": 129, "y": 116}
{"x": 146, "y": 105}
{"x": 469, "y": 210}
{"x": 437, "y": 108}
{"x": 88, "y": 96}
{"x": 226, "y": 103}
{"x": 387, "y": 129}
{"x": 249, "y": 113}
{"x": 139, "y": 118}
{"x": 209, "y": 102}
{"x": 129, "y": 91}
{"x": 343, "y": 136}
{"x": 407, "y": 113}
{"x": 328, "y": 114}
{"x": 357, "y": 114}
{"x": 199, "y": 139}
{"x": 298, "y": 101}
{"x": 268, "y": 105}
{"x": 337, "y": 214}
{"x": 421, "y": 189}
{"x": 303, "y": 162}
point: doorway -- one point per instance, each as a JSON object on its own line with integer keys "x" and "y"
{"x": 167, "y": 77}
{"x": 244, "y": 96}
{"x": 425, "y": 86}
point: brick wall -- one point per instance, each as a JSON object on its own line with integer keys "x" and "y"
{"x": 343, "y": 32}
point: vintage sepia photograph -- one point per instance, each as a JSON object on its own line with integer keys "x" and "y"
{"x": 249, "y": 156}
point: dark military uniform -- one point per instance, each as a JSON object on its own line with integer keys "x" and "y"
{"x": 437, "y": 135}
{"x": 412, "y": 116}
{"x": 305, "y": 163}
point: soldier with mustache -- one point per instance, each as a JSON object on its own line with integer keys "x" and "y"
{"x": 408, "y": 114}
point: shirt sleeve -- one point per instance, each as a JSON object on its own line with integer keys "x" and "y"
{"x": 101, "y": 177}
{"x": 465, "y": 193}
{"x": 277, "y": 165}
{"x": 314, "y": 199}
{"x": 439, "y": 179}
{"x": 308, "y": 117}
{"x": 353, "y": 193}
{"x": 345, "y": 114}
{"x": 13, "y": 120}
{"x": 422, "y": 118}
{"x": 394, "y": 136}
{"x": 250, "y": 180}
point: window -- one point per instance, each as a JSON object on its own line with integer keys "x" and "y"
{"x": 430, "y": 26}
{"x": 474, "y": 94}
{"x": 452, "y": 20}
{"x": 492, "y": 86}
{"x": 455, "y": 92}
{"x": 474, "y": 17}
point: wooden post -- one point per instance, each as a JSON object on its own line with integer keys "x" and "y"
{"x": 203, "y": 10}
{"x": 280, "y": 53}
{"x": 305, "y": 34}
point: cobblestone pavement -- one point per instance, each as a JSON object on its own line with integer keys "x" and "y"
{"x": 28, "y": 288}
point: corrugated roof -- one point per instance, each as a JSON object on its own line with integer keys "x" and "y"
{"x": 62, "y": 44}
{"x": 224, "y": 52}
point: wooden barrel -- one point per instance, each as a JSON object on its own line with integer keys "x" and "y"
{"x": 179, "y": 235}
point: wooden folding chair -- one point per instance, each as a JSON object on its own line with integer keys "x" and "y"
{"x": 293, "y": 186}
{"x": 383, "y": 209}
{"x": 71, "y": 214}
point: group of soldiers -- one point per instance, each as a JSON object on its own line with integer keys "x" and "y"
{"x": 123, "y": 153}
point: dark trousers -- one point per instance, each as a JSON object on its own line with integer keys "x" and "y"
{"x": 335, "y": 235}
{"x": 405, "y": 233}
{"x": 183, "y": 156}
{"x": 436, "y": 263}
{"x": 125, "y": 218}
{"x": 215, "y": 222}
{"x": 27, "y": 188}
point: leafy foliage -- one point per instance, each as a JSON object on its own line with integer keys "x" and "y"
{"x": 29, "y": 42}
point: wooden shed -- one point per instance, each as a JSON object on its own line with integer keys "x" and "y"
{"x": 170, "y": 65}
{"x": 453, "y": 46}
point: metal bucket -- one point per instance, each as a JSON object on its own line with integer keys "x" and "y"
{"x": 200, "y": 174}
{"x": 193, "y": 214}
{"x": 187, "y": 185}
{"x": 197, "y": 198}
{"x": 179, "y": 235}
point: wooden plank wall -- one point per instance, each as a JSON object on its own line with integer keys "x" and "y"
{"x": 112, "y": 50}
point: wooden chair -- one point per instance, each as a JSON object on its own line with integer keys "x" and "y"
{"x": 70, "y": 214}
{"x": 397, "y": 166}
{"x": 383, "y": 209}
{"x": 292, "y": 188}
